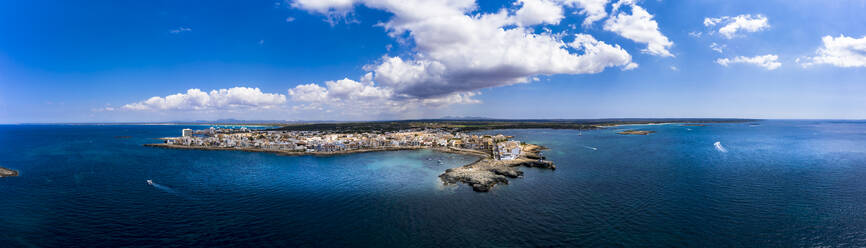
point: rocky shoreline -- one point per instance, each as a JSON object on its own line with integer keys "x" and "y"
{"x": 4, "y": 172}
{"x": 487, "y": 172}
{"x": 482, "y": 175}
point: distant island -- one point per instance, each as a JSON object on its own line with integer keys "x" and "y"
{"x": 635, "y": 132}
{"x": 499, "y": 155}
{"x": 4, "y": 172}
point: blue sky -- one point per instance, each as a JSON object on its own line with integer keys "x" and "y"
{"x": 96, "y": 61}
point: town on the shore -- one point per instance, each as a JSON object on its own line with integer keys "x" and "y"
{"x": 499, "y": 147}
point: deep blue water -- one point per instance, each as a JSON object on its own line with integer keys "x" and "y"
{"x": 780, "y": 183}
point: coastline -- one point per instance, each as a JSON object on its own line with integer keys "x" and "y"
{"x": 335, "y": 153}
{"x": 481, "y": 175}
{"x": 485, "y": 173}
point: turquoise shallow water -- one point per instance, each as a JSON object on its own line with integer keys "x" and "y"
{"x": 779, "y": 183}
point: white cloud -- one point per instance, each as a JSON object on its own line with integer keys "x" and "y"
{"x": 629, "y": 66}
{"x": 718, "y": 48}
{"x": 696, "y": 34}
{"x": 459, "y": 51}
{"x": 593, "y": 9}
{"x": 839, "y": 51}
{"x": 325, "y": 7}
{"x": 334, "y": 10}
{"x": 309, "y": 93}
{"x": 362, "y": 98}
{"x": 640, "y": 27}
{"x": 533, "y": 12}
{"x": 674, "y": 68}
{"x": 180, "y": 30}
{"x": 769, "y": 61}
{"x": 730, "y": 26}
{"x": 222, "y": 99}
{"x": 290, "y": 19}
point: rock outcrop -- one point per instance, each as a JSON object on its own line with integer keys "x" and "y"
{"x": 8, "y": 172}
{"x": 487, "y": 172}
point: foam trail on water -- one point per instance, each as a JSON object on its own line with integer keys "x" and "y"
{"x": 719, "y": 146}
{"x": 163, "y": 188}
{"x": 591, "y": 148}
{"x": 168, "y": 190}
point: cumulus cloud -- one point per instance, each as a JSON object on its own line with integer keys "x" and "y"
{"x": 222, "y": 99}
{"x": 594, "y": 10}
{"x": 769, "y": 61}
{"x": 325, "y": 7}
{"x": 334, "y": 10}
{"x": 458, "y": 51}
{"x": 730, "y": 26}
{"x": 362, "y": 97}
{"x": 842, "y": 51}
{"x": 640, "y": 27}
{"x": 533, "y": 12}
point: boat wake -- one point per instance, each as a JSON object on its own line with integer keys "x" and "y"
{"x": 719, "y": 146}
{"x": 591, "y": 148}
{"x": 163, "y": 188}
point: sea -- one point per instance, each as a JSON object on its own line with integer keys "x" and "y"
{"x": 774, "y": 183}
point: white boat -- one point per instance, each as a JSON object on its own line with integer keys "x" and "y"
{"x": 149, "y": 182}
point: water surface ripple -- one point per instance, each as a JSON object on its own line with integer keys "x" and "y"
{"x": 779, "y": 183}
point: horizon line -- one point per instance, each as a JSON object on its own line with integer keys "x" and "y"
{"x": 269, "y": 122}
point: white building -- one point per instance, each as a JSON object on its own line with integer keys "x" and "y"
{"x": 509, "y": 150}
{"x": 186, "y": 132}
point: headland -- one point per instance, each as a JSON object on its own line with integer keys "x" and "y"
{"x": 485, "y": 173}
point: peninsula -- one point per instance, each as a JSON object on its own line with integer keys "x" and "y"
{"x": 499, "y": 155}
{"x": 4, "y": 172}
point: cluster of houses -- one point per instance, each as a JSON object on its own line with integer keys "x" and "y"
{"x": 318, "y": 141}
{"x": 508, "y": 150}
